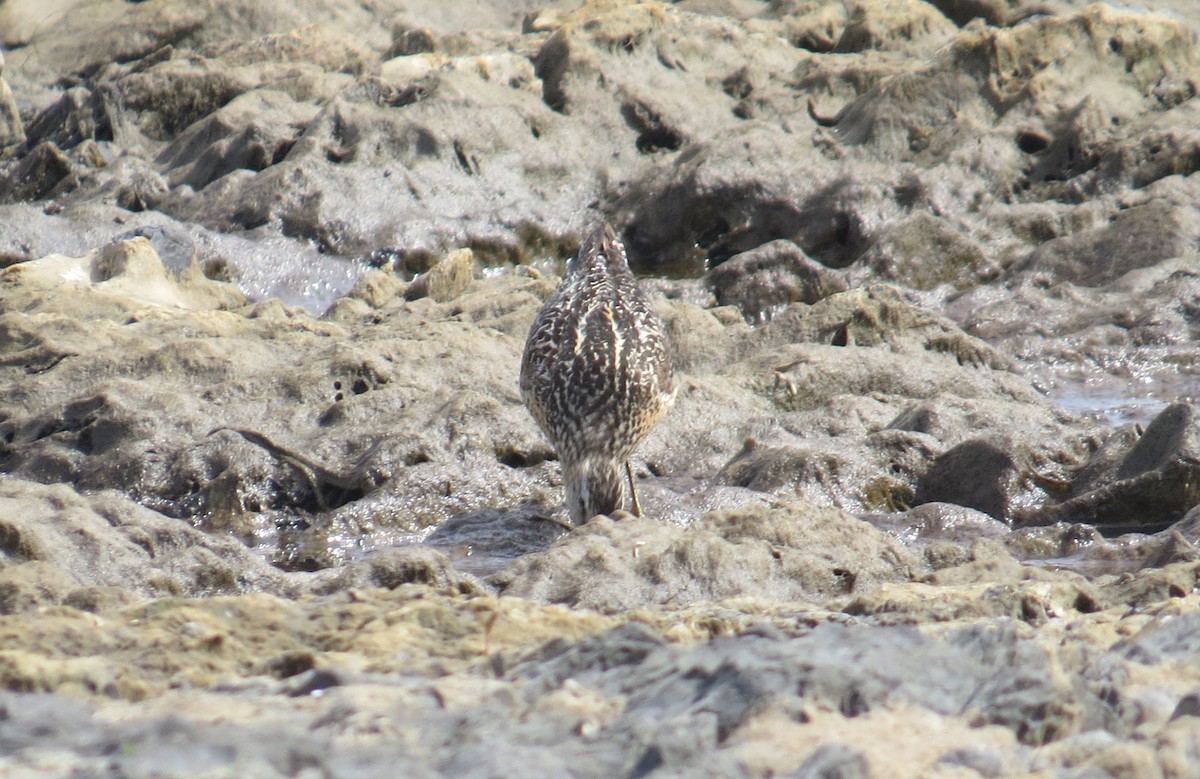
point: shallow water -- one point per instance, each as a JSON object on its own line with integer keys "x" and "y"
{"x": 1110, "y": 406}
{"x": 1137, "y": 396}
{"x": 272, "y": 268}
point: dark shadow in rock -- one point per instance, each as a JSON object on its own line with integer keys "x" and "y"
{"x": 673, "y": 226}
{"x": 484, "y": 541}
{"x": 551, "y": 67}
{"x": 653, "y": 134}
{"x": 728, "y": 220}
{"x": 1064, "y": 155}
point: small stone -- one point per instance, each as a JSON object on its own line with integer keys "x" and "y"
{"x": 445, "y": 280}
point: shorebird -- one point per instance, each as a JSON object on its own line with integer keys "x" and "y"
{"x": 596, "y": 375}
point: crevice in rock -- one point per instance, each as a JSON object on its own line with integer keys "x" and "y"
{"x": 550, "y": 65}
{"x": 653, "y": 134}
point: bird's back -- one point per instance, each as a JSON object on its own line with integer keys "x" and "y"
{"x": 596, "y": 373}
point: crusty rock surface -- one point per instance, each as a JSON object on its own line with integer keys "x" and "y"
{"x": 926, "y": 504}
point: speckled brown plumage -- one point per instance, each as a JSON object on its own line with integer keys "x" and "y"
{"x": 596, "y": 373}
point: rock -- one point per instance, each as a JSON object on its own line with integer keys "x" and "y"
{"x": 771, "y": 276}
{"x": 1161, "y": 643}
{"x": 407, "y": 41}
{"x": 933, "y": 522}
{"x": 922, "y": 252}
{"x": 251, "y": 132}
{"x": 878, "y": 314}
{"x": 1136, "y": 238}
{"x": 125, "y": 275}
{"x": 791, "y": 551}
{"x": 61, "y": 546}
{"x": 999, "y": 13}
{"x": 1188, "y": 706}
{"x": 1123, "y": 325}
{"x": 448, "y": 278}
{"x": 77, "y": 116}
{"x": 394, "y": 567}
{"x": 378, "y": 288}
{"x": 1136, "y": 484}
{"x": 701, "y": 340}
{"x": 834, "y": 762}
{"x": 892, "y": 26}
{"x": 32, "y": 584}
{"x": 976, "y": 474}
{"x": 37, "y": 175}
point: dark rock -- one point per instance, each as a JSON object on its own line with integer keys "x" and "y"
{"x": 77, "y": 116}
{"x": 308, "y": 681}
{"x": 770, "y": 276}
{"x": 252, "y": 132}
{"x": 37, "y": 174}
{"x": 407, "y": 41}
{"x": 976, "y": 474}
{"x": 1138, "y": 237}
{"x": 1138, "y": 483}
{"x": 1188, "y": 706}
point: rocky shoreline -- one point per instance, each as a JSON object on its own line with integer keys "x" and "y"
{"x": 926, "y": 504}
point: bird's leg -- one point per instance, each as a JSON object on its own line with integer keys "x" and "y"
{"x": 637, "y": 507}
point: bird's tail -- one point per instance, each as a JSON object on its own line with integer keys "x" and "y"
{"x": 593, "y": 486}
